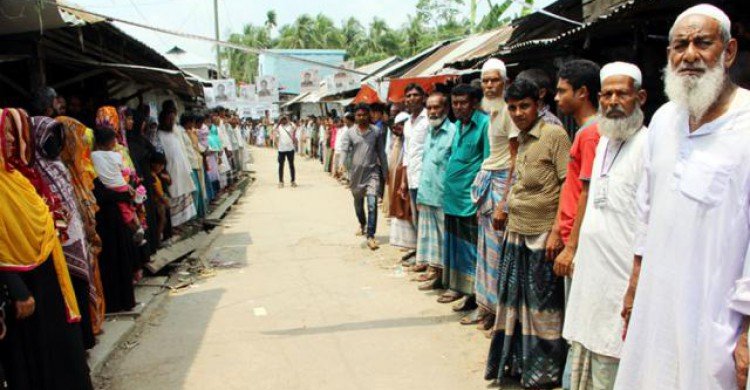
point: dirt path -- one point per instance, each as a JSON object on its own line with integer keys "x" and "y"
{"x": 310, "y": 307}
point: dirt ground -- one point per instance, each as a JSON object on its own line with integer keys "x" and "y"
{"x": 307, "y": 307}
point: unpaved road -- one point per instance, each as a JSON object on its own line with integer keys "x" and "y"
{"x": 309, "y": 308}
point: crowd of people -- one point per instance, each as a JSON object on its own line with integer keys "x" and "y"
{"x": 615, "y": 259}
{"x": 87, "y": 199}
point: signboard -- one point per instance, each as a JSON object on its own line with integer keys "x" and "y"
{"x": 343, "y": 81}
{"x": 225, "y": 91}
{"x": 247, "y": 93}
{"x": 309, "y": 80}
{"x": 267, "y": 89}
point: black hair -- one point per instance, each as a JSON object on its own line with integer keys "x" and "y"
{"x": 362, "y": 106}
{"x": 541, "y": 79}
{"x": 522, "y": 89}
{"x": 464, "y": 89}
{"x": 583, "y": 73}
{"x": 377, "y": 107}
{"x": 43, "y": 99}
{"x": 103, "y": 136}
{"x": 185, "y": 118}
{"x": 414, "y": 86}
{"x": 158, "y": 158}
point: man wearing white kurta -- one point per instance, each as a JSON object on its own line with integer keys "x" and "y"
{"x": 690, "y": 286}
{"x": 415, "y": 132}
{"x": 603, "y": 259}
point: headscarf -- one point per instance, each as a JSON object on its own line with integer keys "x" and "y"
{"x": 27, "y": 234}
{"x": 122, "y": 114}
{"x": 108, "y": 118}
{"x": 56, "y": 176}
{"x": 76, "y": 155}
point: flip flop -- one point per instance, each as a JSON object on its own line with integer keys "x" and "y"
{"x": 474, "y": 317}
{"x": 450, "y": 296}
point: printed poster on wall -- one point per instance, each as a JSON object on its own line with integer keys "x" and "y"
{"x": 267, "y": 89}
{"x": 309, "y": 80}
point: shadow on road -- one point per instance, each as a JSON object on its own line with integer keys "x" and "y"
{"x": 366, "y": 325}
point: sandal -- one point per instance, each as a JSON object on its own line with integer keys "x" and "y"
{"x": 419, "y": 268}
{"x": 450, "y": 296}
{"x": 469, "y": 303}
{"x": 426, "y": 277}
{"x": 487, "y": 323}
{"x": 475, "y": 317}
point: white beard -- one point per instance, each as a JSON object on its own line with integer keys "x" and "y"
{"x": 434, "y": 123}
{"x": 492, "y": 105}
{"x": 695, "y": 93}
{"x": 620, "y": 129}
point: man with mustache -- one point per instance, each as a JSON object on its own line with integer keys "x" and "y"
{"x": 603, "y": 261}
{"x": 468, "y": 150}
{"x": 437, "y": 151}
{"x": 527, "y": 341}
{"x": 688, "y": 299}
{"x": 415, "y": 130}
{"x": 490, "y": 192}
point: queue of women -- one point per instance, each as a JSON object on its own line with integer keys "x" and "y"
{"x": 82, "y": 209}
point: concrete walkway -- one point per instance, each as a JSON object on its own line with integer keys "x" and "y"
{"x": 309, "y": 307}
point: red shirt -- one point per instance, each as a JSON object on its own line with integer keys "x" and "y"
{"x": 581, "y": 163}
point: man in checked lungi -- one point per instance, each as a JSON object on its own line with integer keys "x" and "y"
{"x": 490, "y": 192}
{"x": 468, "y": 151}
{"x": 431, "y": 229}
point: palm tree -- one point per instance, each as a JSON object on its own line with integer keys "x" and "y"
{"x": 298, "y": 35}
{"x": 271, "y": 21}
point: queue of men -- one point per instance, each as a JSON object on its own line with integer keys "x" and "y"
{"x": 617, "y": 260}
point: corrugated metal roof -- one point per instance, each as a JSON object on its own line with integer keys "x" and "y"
{"x": 27, "y": 15}
{"x": 453, "y": 52}
{"x": 485, "y": 50}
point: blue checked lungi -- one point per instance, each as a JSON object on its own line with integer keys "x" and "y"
{"x": 430, "y": 233}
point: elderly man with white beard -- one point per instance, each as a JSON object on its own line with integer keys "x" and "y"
{"x": 603, "y": 259}
{"x": 490, "y": 192}
{"x": 688, "y": 300}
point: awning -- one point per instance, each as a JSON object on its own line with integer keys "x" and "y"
{"x": 396, "y": 89}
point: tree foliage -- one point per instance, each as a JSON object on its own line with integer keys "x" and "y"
{"x": 432, "y": 21}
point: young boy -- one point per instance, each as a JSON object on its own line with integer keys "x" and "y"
{"x": 114, "y": 175}
{"x": 161, "y": 200}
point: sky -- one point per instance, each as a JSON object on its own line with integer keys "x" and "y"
{"x": 196, "y": 16}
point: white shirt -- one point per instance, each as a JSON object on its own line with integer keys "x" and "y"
{"x": 695, "y": 276}
{"x": 178, "y": 164}
{"x": 604, "y": 258}
{"x": 415, "y": 132}
{"x": 340, "y": 139}
{"x": 108, "y": 166}
{"x": 286, "y": 143}
{"x": 499, "y": 134}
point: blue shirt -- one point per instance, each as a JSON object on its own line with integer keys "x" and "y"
{"x": 437, "y": 150}
{"x": 469, "y": 149}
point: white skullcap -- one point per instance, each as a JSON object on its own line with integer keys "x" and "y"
{"x": 710, "y": 11}
{"x": 495, "y": 64}
{"x": 621, "y": 69}
{"x": 402, "y": 117}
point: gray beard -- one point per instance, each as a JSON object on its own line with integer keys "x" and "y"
{"x": 695, "y": 93}
{"x": 434, "y": 123}
{"x": 492, "y": 105}
{"x": 620, "y": 129}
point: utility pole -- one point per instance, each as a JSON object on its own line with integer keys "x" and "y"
{"x": 473, "y": 15}
{"x": 216, "y": 30}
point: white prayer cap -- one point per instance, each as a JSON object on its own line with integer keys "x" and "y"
{"x": 495, "y": 64}
{"x": 710, "y": 11}
{"x": 621, "y": 69}
{"x": 402, "y": 117}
